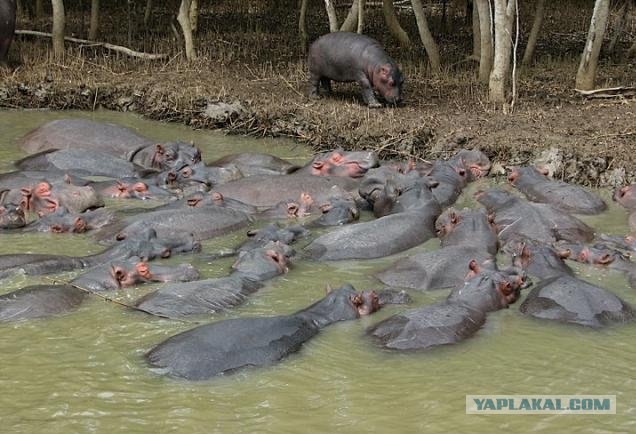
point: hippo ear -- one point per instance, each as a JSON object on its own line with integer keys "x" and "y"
{"x": 356, "y": 299}
{"x": 454, "y": 218}
{"x": 514, "y": 175}
{"x": 491, "y": 218}
{"x": 159, "y": 149}
{"x": 385, "y": 71}
{"x": 474, "y": 266}
{"x": 325, "y": 207}
{"x": 216, "y": 196}
{"x": 143, "y": 270}
{"x": 79, "y": 225}
{"x": 306, "y": 199}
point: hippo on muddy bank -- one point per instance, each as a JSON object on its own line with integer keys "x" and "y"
{"x": 345, "y": 56}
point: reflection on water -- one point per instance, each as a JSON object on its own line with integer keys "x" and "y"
{"x": 84, "y": 372}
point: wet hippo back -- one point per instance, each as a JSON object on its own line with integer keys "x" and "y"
{"x": 83, "y": 134}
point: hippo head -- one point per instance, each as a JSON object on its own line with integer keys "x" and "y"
{"x": 132, "y": 190}
{"x": 626, "y": 196}
{"x": 170, "y": 155}
{"x": 264, "y": 263}
{"x": 38, "y": 199}
{"x": 344, "y": 303}
{"x": 11, "y": 216}
{"x": 475, "y": 161}
{"x": 388, "y": 81}
{"x": 114, "y": 275}
{"x": 338, "y": 211}
{"x": 341, "y": 163}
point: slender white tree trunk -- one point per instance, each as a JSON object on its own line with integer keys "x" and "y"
{"x": 361, "y": 16}
{"x": 589, "y": 59}
{"x": 432, "y": 50}
{"x": 504, "y": 19}
{"x": 528, "y": 54}
{"x": 58, "y": 28}
{"x": 194, "y": 15}
{"x": 331, "y": 14}
{"x": 485, "y": 32}
{"x": 476, "y": 34}
{"x": 184, "y": 21}
{"x": 147, "y": 12}
{"x": 392, "y": 23}
{"x": 351, "y": 21}
{"x": 302, "y": 25}
{"x": 92, "y": 32}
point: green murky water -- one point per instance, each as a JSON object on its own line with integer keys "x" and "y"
{"x": 84, "y": 372}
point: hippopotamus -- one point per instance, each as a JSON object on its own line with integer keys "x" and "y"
{"x": 81, "y": 162}
{"x": 465, "y": 235}
{"x": 341, "y": 163}
{"x": 143, "y": 244}
{"x": 7, "y": 28}
{"x": 11, "y": 216}
{"x": 42, "y": 301}
{"x": 537, "y": 259}
{"x": 197, "y": 176}
{"x": 568, "y": 299}
{"x": 346, "y": 57}
{"x": 451, "y": 178}
{"x": 477, "y": 163}
{"x": 130, "y": 188}
{"x": 459, "y": 317}
{"x": 381, "y": 237}
{"x": 227, "y": 346}
{"x": 535, "y": 221}
{"x": 537, "y": 187}
{"x": 267, "y": 191}
{"x": 44, "y": 197}
{"x": 203, "y": 223}
{"x": 65, "y": 221}
{"x": 218, "y": 294}
{"x": 626, "y": 196}
{"x": 254, "y": 163}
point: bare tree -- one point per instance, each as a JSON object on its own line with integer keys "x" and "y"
{"x": 393, "y": 24}
{"x": 504, "y": 19}
{"x": 361, "y": 16}
{"x": 302, "y": 25}
{"x": 485, "y": 32}
{"x": 194, "y": 15}
{"x": 351, "y": 21}
{"x": 476, "y": 34}
{"x": 619, "y": 26}
{"x": 589, "y": 59}
{"x": 184, "y": 21}
{"x": 147, "y": 12}
{"x": 331, "y": 14}
{"x": 92, "y": 32}
{"x": 432, "y": 50}
{"x": 58, "y": 28}
{"x": 534, "y": 33}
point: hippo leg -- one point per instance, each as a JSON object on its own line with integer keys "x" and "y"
{"x": 326, "y": 84}
{"x": 367, "y": 93}
{"x": 314, "y": 83}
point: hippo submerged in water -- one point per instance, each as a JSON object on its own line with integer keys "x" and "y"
{"x": 344, "y": 56}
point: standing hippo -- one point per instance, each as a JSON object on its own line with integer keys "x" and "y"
{"x": 7, "y": 28}
{"x": 344, "y": 56}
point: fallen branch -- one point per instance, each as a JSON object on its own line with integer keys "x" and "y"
{"x": 118, "y": 48}
{"x": 609, "y": 92}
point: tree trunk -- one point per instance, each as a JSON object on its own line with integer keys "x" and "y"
{"x": 184, "y": 21}
{"x": 429, "y": 43}
{"x": 147, "y": 13}
{"x": 504, "y": 18}
{"x": 350, "y": 23}
{"x": 485, "y": 32}
{"x": 620, "y": 25}
{"x": 92, "y": 32}
{"x": 361, "y": 16}
{"x": 19, "y": 9}
{"x": 589, "y": 59}
{"x": 331, "y": 14}
{"x": 528, "y": 54}
{"x": 58, "y": 28}
{"x": 632, "y": 51}
{"x": 393, "y": 24}
{"x": 476, "y": 35}
{"x": 302, "y": 25}
{"x": 194, "y": 15}
{"x": 39, "y": 8}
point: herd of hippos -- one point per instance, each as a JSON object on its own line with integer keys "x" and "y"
{"x": 54, "y": 189}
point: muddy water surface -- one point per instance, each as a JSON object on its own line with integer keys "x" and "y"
{"x": 84, "y": 372}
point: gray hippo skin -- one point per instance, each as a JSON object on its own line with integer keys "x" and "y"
{"x": 39, "y": 301}
{"x": 460, "y": 316}
{"x": 65, "y": 221}
{"x": 465, "y": 235}
{"x": 227, "y": 346}
{"x": 218, "y": 294}
{"x": 567, "y": 197}
{"x": 344, "y": 56}
{"x": 7, "y": 28}
{"x": 535, "y": 221}
{"x": 381, "y": 237}
{"x": 537, "y": 259}
{"x": 570, "y": 300}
